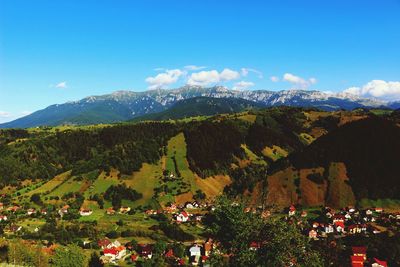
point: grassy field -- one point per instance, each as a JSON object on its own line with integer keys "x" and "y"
{"x": 68, "y": 186}
{"x": 177, "y": 149}
{"x": 50, "y": 185}
{"x": 144, "y": 181}
{"x": 275, "y": 152}
{"x": 102, "y": 183}
{"x": 253, "y": 157}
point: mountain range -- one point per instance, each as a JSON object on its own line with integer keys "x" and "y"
{"x": 127, "y": 105}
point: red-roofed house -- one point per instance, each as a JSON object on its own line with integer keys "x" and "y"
{"x": 357, "y": 261}
{"x": 182, "y": 217}
{"x": 292, "y": 210}
{"x": 360, "y": 251}
{"x": 379, "y": 263}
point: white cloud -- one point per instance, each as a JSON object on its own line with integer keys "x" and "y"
{"x": 229, "y": 75}
{"x": 164, "y": 79}
{"x": 377, "y": 88}
{"x": 274, "y": 79}
{"x": 298, "y": 82}
{"x": 61, "y": 85}
{"x": 194, "y": 67}
{"x": 204, "y": 78}
{"x": 5, "y": 114}
{"x": 246, "y": 71}
{"x": 242, "y": 85}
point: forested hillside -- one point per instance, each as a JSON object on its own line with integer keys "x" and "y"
{"x": 305, "y": 152}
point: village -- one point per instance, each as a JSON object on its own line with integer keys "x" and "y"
{"x": 326, "y": 223}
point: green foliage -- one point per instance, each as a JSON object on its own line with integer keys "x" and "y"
{"x": 45, "y": 154}
{"x": 68, "y": 256}
{"x": 280, "y": 242}
{"x": 174, "y": 232}
{"x": 211, "y": 146}
{"x": 20, "y": 253}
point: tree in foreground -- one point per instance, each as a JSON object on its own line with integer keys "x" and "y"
{"x": 68, "y": 256}
{"x": 279, "y": 242}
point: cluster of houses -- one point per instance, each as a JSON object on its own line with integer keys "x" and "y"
{"x": 113, "y": 252}
{"x": 359, "y": 258}
{"x": 348, "y": 221}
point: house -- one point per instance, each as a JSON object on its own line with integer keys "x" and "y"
{"x": 339, "y": 226}
{"x": 189, "y": 205}
{"x": 255, "y": 245}
{"x": 146, "y": 251}
{"x": 31, "y": 211}
{"x": 329, "y": 229}
{"x": 85, "y": 212}
{"x": 115, "y": 253}
{"x": 315, "y": 225}
{"x": 110, "y": 211}
{"x": 339, "y": 218}
{"x": 124, "y": 209}
{"x": 360, "y": 251}
{"x": 304, "y": 214}
{"x": 312, "y": 234}
{"x": 104, "y": 243}
{"x": 356, "y": 229}
{"x": 195, "y": 254}
{"x": 1, "y": 206}
{"x": 195, "y": 250}
{"x": 357, "y": 261}
{"x": 170, "y": 253}
{"x": 292, "y": 210}
{"x": 368, "y": 212}
{"x": 208, "y": 246}
{"x": 13, "y": 208}
{"x": 379, "y": 263}
{"x": 63, "y": 210}
{"x": 182, "y": 217}
{"x": 134, "y": 257}
{"x": 43, "y": 212}
{"x": 170, "y": 209}
{"x": 3, "y": 218}
{"x": 379, "y": 210}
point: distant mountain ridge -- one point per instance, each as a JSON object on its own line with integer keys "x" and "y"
{"x": 201, "y": 106}
{"x": 126, "y": 105}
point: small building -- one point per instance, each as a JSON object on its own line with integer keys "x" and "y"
{"x": 357, "y": 261}
{"x": 292, "y": 210}
{"x": 85, "y": 212}
{"x": 110, "y": 211}
{"x": 182, "y": 217}
{"x": 312, "y": 234}
{"x": 379, "y": 263}
{"x": 145, "y": 251}
{"x": 124, "y": 210}
{"x": 360, "y": 251}
{"x": 3, "y": 218}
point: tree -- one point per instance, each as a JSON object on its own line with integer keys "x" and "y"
{"x": 281, "y": 243}
{"x": 35, "y": 198}
{"x": 68, "y": 256}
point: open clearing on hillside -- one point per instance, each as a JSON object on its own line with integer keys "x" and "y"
{"x": 144, "y": 181}
{"x": 102, "y": 183}
{"x": 275, "y": 152}
{"x": 214, "y": 185}
{"x": 68, "y": 186}
{"x": 177, "y": 149}
{"x": 50, "y": 185}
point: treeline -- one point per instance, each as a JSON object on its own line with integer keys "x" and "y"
{"x": 212, "y": 146}
{"x": 124, "y": 147}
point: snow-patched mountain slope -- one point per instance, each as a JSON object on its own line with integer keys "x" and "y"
{"x": 125, "y": 105}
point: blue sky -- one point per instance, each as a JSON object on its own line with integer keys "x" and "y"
{"x": 53, "y": 51}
